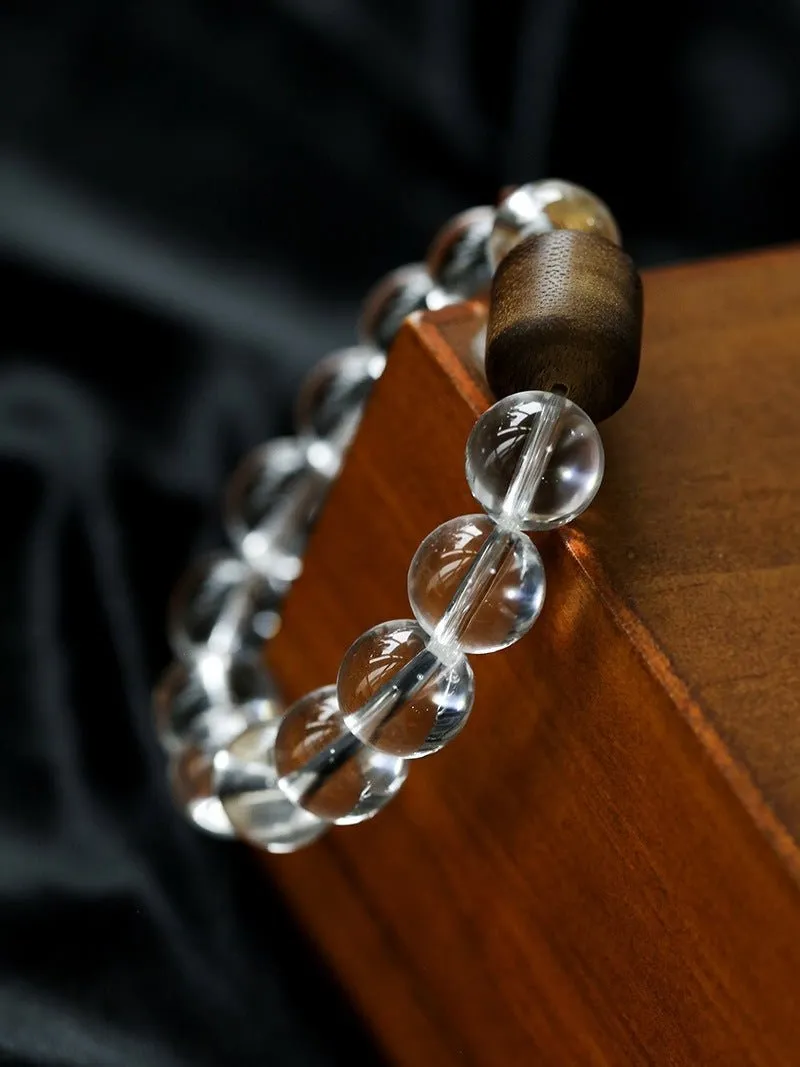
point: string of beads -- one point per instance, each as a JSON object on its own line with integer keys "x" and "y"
{"x": 243, "y": 766}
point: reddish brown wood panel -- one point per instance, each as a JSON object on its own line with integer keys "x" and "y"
{"x": 698, "y": 525}
{"x": 588, "y": 874}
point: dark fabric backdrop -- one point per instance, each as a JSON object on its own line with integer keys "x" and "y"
{"x": 192, "y": 198}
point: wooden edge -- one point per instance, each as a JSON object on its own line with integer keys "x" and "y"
{"x": 431, "y": 327}
{"x": 540, "y": 978}
{"x": 778, "y": 252}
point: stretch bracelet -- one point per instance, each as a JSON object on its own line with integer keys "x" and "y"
{"x": 562, "y": 352}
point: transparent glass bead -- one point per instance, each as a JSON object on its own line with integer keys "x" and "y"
{"x": 389, "y": 303}
{"x": 332, "y": 397}
{"x": 272, "y": 500}
{"x": 573, "y": 467}
{"x": 507, "y": 584}
{"x": 426, "y": 702}
{"x": 209, "y": 702}
{"x": 458, "y": 259}
{"x": 191, "y": 776}
{"x": 326, "y": 769}
{"x": 221, "y": 605}
{"x": 246, "y": 781}
{"x": 543, "y": 206}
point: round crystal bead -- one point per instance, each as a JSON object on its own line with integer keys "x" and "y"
{"x": 192, "y": 781}
{"x": 332, "y": 398}
{"x": 211, "y": 701}
{"x": 458, "y": 258}
{"x": 550, "y": 204}
{"x": 389, "y": 303}
{"x": 221, "y": 605}
{"x": 421, "y": 702}
{"x": 573, "y": 467}
{"x": 326, "y": 769}
{"x": 246, "y": 781}
{"x": 272, "y": 500}
{"x": 507, "y": 581}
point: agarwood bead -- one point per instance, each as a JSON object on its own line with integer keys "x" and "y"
{"x": 566, "y": 315}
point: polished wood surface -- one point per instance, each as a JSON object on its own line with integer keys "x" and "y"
{"x": 603, "y": 868}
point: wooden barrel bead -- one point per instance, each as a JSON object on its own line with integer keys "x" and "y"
{"x": 566, "y": 316}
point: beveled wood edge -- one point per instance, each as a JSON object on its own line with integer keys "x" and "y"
{"x": 777, "y": 252}
{"x": 656, "y": 661}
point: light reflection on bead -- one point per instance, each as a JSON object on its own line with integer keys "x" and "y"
{"x": 389, "y": 303}
{"x": 272, "y": 499}
{"x": 211, "y": 701}
{"x": 246, "y": 781}
{"x": 423, "y": 717}
{"x": 571, "y": 478}
{"x": 193, "y": 790}
{"x": 458, "y": 259}
{"x": 332, "y": 397}
{"x": 476, "y": 583}
{"x": 221, "y": 605}
{"x": 326, "y": 769}
{"x": 550, "y": 204}
{"x": 508, "y": 599}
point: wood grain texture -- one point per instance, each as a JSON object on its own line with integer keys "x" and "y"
{"x": 603, "y": 868}
{"x": 566, "y": 316}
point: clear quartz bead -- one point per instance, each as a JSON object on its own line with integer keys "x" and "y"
{"x": 398, "y": 696}
{"x": 326, "y": 769}
{"x": 389, "y": 303}
{"x": 221, "y": 605}
{"x": 543, "y": 206}
{"x": 272, "y": 499}
{"x": 458, "y": 259}
{"x": 246, "y": 781}
{"x": 476, "y": 586}
{"x": 207, "y": 703}
{"x": 332, "y": 397}
{"x": 191, "y": 778}
{"x": 534, "y": 461}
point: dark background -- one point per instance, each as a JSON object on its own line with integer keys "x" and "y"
{"x": 193, "y": 196}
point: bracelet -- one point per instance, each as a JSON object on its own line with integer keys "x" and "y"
{"x": 562, "y": 352}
